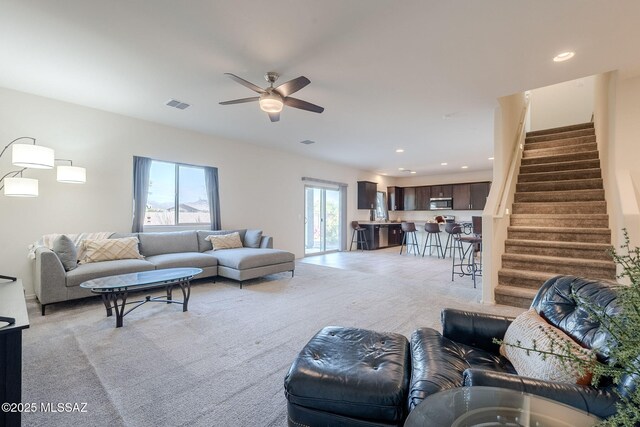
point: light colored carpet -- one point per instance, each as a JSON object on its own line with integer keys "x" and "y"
{"x": 223, "y": 362}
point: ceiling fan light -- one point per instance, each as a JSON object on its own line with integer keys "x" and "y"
{"x": 271, "y": 102}
{"x": 20, "y": 187}
{"x": 32, "y": 156}
{"x": 71, "y": 174}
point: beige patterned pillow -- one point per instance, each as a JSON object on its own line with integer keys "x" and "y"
{"x": 96, "y": 250}
{"x": 225, "y": 241}
{"x": 530, "y": 327}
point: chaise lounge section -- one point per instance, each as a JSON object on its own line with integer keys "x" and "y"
{"x": 256, "y": 258}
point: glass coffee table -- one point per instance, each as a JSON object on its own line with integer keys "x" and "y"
{"x": 114, "y": 290}
{"x": 495, "y": 407}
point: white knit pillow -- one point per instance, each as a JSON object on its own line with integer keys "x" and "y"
{"x": 225, "y": 241}
{"x": 529, "y": 328}
{"x": 96, "y": 250}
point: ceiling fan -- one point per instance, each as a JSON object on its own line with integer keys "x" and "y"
{"x": 272, "y": 99}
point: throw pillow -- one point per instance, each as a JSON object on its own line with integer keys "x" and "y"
{"x": 225, "y": 241}
{"x": 64, "y": 247}
{"x": 110, "y": 249}
{"x": 529, "y": 329}
{"x": 252, "y": 238}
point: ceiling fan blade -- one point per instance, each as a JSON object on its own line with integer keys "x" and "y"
{"x": 292, "y": 86}
{"x": 240, "y": 101}
{"x": 275, "y": 117}
{"x": 303, "y": 105}
{"x": 243, "y": 82}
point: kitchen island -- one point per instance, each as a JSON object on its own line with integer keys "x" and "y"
{"x": 382, "y": 235}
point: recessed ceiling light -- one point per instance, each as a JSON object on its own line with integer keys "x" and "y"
{"x": 400, "y": 169}
{"x": 399, "y": 150}
{"x": 464, "y": 167}
{"x": 490, "y": 158}
{"x": 414, "y": 172}
{"x": 563, "y": 56}
{"x": 307, "y": 142}
{"x": 444, "y": 164}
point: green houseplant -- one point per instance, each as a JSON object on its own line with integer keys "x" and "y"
{"x": 624, "y": 329}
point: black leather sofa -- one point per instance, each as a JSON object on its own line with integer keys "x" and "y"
{"x": 368, "y": 379}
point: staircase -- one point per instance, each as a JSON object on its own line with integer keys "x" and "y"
{"x": 559, "y": 222}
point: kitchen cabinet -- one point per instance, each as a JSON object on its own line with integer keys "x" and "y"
{"x": 479, "y": 194}
{"x": 471, "y": 196}
{"x": 395, "y": 234}
{"x": 423, "y": 194}
{"x": 409, "y": 198}
{"x": 367, "y": 194}
{"x": 440, "y": 191}
{"x": 395, "y": 198}
{"x": 461, "y": 196}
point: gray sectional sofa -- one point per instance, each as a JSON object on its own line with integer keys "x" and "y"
{"x": 161, "y": 250}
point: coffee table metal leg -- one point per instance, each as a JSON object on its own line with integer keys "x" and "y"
{"x": 107, "y": 304}
{"x": 114, "y": 296}
{"x": 169, "y": 293}
{"x": 185, "y": 286}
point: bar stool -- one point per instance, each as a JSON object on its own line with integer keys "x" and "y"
{"x": 453, "y": 229}
{"x": 468, "y": 265}
{"x": 409, "y": 237}
{"x": 359, "y": 235}
{"x": 433, "y": 239}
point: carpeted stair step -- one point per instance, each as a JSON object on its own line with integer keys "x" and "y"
{"x": 561, "y": 129}
{"x": 560, "y": 208}
{"x": 569, "y": 266}
{"x": 566, "y": 220}
{"x": 560, "y": 166}
{"x": 560, "y": 135}
{"x": 559, "y": 158}
{"x": 560, "y": 175}
{"x": 513, "y": 296}
{"x": 559, "y": 142}
{"x": 560, "y": 196}
{"x": 560, "y": 234}
{"x": 564, "y": 185}
{"x": 523, "y": 278}
{"x": 554, "y": 151}
{"x": 597, "y": 251}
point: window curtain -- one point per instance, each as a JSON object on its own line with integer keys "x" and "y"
{"x": 141, "y": 168}
{"x": 211, "y": 182}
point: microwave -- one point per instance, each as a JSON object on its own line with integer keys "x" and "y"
{"x": 440, "y": 203}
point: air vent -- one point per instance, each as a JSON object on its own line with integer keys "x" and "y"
{"x": 307, "y": 142}
{"x": 177, "y": 104}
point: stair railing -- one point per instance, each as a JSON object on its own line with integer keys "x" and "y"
{"x": 496, "y": 219}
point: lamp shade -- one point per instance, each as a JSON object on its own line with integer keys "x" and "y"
{"x": 71, "y": 174}
{"x": 271, "y": 102}
{"x": 21, "y": 187}
{"x": 32, "y": 156}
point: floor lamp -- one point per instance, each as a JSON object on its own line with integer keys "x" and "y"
{"x": 34, "y": 156}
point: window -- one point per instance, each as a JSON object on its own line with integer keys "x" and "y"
{"x": 381, "y": 205}
{"x": 177, "y": 195}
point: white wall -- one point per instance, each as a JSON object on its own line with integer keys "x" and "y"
{"x": 562, "y": 104}
{"x": 623, "y": 157}
{"x": 259, "y": 187}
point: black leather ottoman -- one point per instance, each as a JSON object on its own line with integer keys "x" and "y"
{"x": 349, "y": 377}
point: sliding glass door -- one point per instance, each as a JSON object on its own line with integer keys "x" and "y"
{"x": 322, "y": 220}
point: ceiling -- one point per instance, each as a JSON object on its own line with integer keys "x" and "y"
{"x": 419, "y": 75}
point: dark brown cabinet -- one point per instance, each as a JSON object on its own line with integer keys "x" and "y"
{"x": 409, "y": 198}
{"x": 470, "y": 196}
{"x": 395, "y": 198}
{"x": 439, "y": 191}
{"x": 479, "y": 194}
{"x": 461, "y": 196}
{"x": 423, "y": 194}
{"x": 367, "y": 194}
{"x": 395, "y": 234}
